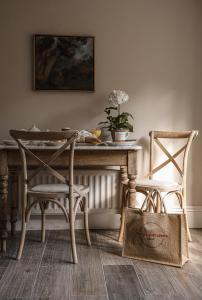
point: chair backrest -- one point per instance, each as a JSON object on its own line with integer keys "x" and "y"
{"x": 155, "y": 139}
{"x": 68, "y": 139}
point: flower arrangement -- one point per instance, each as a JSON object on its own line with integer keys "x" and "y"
{"x": 120, "y": 120}
{"x": 117, "y": 97}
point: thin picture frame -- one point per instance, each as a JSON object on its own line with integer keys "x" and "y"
{"x": 64, "y": 63}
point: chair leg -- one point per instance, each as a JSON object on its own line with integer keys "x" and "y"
{"x": 72, "y": 236}
{"x": 187, "y": 226}
{"x": 183, "y": 206}
{"x": 22, "y": 239}
{"x": 123, "y": 213}
{"x": 86, "y": 226}
{"x": 43, "y": 225}
{"x": 123, "y": 217}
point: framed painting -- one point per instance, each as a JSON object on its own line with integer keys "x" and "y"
{"x": 63, "y": 62}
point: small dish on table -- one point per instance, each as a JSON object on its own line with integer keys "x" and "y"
{"x": 53, "y": 143}
{"x": 121, "y": 143}
{"x": 9, "y": 142}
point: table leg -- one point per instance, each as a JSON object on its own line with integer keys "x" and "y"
{"x": 13, "y": 175}
{"x": 123, "y": 195}
{"x": 128, "y": 200}
{"x": 131, "y": 190}
{"x": 132, "y": 174}
{"x": 3, "y": 199}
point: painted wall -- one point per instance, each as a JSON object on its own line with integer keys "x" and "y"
{"x": 150, "y": 48}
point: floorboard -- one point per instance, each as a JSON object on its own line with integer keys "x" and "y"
{"x": 89, "y": 298}
{"x": 12, "y": 244}
{"x": 17, "y": 280}
{"x": 46, "y": 272}
{"x": 54, "y": 279}
{"x": 187, "y": 286}
{"x": 2, "y": 270}
{"x": 187, "y": 281}
{"x": 88, "y": 278}
{"x": 154, "y": 281}
{"x": 110, "y": 249}
{"x": 122, "y": 283}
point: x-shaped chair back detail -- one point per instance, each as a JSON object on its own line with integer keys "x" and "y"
{"x": 68, "y": 138}
{"x": 75, "y": 195}
{"x": 155, "y": 137}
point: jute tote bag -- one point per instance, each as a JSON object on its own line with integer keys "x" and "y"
{"x": 156, "y": 237}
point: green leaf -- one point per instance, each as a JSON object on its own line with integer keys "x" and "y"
{"x": 127, "y": 114}
{"x": 119, "y": 121}
{"x": 111, "y": 107}
{"x": 108, "y": 109}
{"x": 106, "y": 122}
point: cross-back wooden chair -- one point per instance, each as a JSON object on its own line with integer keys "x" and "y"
{"x": 45, "y": 193}
{"x": 157, "y": 190}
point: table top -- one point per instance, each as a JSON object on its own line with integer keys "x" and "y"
{"x": 77, "y": 147}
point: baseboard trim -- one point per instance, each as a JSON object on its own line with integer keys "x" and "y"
{"x": 107, "y": 219}
{"x": 194, "y": 216}
{"x": 102, "y": 219}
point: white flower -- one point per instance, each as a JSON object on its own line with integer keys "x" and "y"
{"x": 117, "y": 97}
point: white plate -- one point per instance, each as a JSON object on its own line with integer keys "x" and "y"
{"x": 9, "y": 142}
{"x": 52, "y": 143}
{"x": 91, "y": 144}
{"x": 85, "y": 144}
{"x": 125, "y": 143}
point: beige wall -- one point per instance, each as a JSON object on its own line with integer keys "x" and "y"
{"x": 150, "y": 48}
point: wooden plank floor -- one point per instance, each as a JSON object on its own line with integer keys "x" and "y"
{"x": 45, "y": 271}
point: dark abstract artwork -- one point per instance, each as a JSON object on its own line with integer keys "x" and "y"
{"x": 63, "y": 63}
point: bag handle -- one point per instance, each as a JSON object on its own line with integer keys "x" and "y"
{"x": 149, "y": 200}
{"x": 163, "y": 207}
{"x": 179, "y": 197}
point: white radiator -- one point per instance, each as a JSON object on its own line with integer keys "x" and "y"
{"x": 104, "y": 190}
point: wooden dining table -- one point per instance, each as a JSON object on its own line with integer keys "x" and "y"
{"x": 123, "y": 156}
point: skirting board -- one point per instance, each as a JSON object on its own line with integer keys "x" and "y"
{"x": 106, "y": 219}
{"x": 194, "y": 214}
